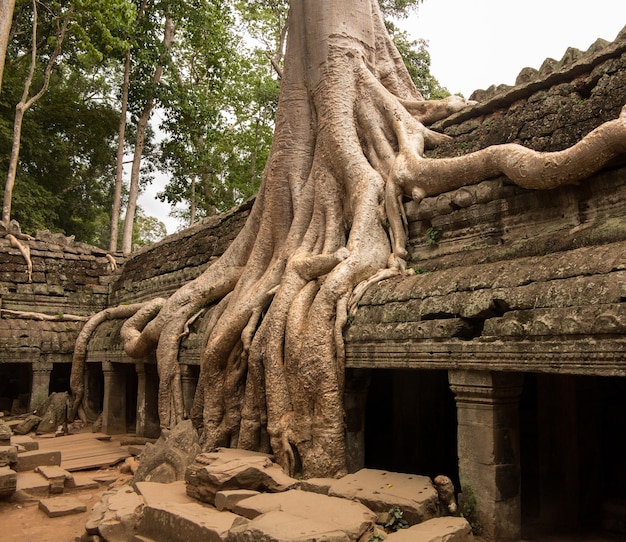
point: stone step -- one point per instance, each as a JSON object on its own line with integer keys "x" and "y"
{"x": 36, "y": 458}
{"x": 191, "y": 522}
{"x": 450, "y": 529}
{"x": 8, "y": 481}
{"x": 57, "y": 477}
{"x": 25, "y": 441}
{"x": 61, "y": 506}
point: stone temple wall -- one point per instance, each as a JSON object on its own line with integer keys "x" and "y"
{"x": 42, "y": 312}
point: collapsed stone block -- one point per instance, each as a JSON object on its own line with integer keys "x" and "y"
{"x": 8, "y": 456}
{"x": 445, "y": 529}
{"x": 8, "y": 482}
{"x": 61, "y": 506}
{"x": 381, "y": 490}
{"x": 30, "y": 460}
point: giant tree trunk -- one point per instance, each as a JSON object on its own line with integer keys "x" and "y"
{"x": 348, "y": 146}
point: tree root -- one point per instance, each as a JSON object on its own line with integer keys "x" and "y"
{"x": 24, "y": 251}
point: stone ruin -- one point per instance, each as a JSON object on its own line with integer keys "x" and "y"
{"x": 500, "y": 364}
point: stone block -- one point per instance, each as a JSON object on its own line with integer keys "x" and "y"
{"x": 56, "y": 476}
{"x": 8, "y": 456}
{"x": 317, "y": 485}
{"x": 380, "y": 490}
{"x": 227, "y": 500}
{"x": 26, "y": 441}
{"x": 277, "y": 526}
{"x": 446, "y": 529}
{"x": 37, "y": 458}
{"x": 334, "y": 514}
{"x": 61, "y": 506}
{"x": 8, "y": 482}
{"x": 33, "y": 483}
{"x": 191, "y": 522}
{"x": 154, "y": 493}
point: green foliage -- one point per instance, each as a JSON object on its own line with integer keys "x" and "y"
{"x": 396, "y": 520}
{"x": 467, "y": 502}
{"x": 376, "y": 538}
{"x": 433, "y": 236}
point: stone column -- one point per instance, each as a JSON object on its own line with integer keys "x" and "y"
{"x": 355, "y": 398}
{"x": 114, "y": 408}
{"x": 41, "y": 384}
{"x": 488, "y": 450}
{"x": 189, "y": 381}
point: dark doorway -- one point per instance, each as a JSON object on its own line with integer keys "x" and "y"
{"x": 15, "y": 384}
{"x": 573, "y": 445}
{"x": 93, "y": 401}
{"x": 60, "y": 377}
{"x": 410, "y": 423}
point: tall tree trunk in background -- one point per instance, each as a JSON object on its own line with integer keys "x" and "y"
{"x": 119, "y": 169}
{"x": 140, "y": 139}
{"x": 26, "y": 103}
{"x": 6, "y": 19}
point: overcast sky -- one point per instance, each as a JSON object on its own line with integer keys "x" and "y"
{"x": 477, "y": 43}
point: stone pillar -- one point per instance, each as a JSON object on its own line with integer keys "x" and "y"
{"x": 355, "y": 398}
{"x": 489, "y": 450}
{"x": 147, "y": 400}
{"x": 41, "y": 384}
{"x": 189, "y": 381}
{"x": 114, "y": 408}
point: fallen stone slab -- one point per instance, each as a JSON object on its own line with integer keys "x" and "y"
{"x": 317, "y": 485}
{"x": 32, "y": 483}
{"x": 8, "y": 456}
{"x": 56, "y": 476}
{"x": 277, "y": 526}
{"x": 234, "y": 469}
{"x": 334, "y": 514}
{"x": 191, "y": 522}
{"x": 8, "y": 482}
{"x": 154, "y": 493}
{"x": 116, "y": 515}
{"x": 445, "y": 529}
{"x": 30, "y": 460}
{"x": 81, "y": 481}
{"x": 26, "y": 442}
{"x": 381, "y": 490}
{"x": 61, "y": 506}
{"x": 227, "y": 500}
{"x": 27, "y": 425}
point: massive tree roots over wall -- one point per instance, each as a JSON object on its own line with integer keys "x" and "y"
{"x": 328, "y": 220}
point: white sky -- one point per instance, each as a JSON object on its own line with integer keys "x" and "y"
{"x": 476, "y": 43}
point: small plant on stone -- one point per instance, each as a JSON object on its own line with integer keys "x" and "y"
{"x": 376, "y": 538}
{"x": 419, "y": 270}
{"x": 396, "y": 521}
{"x": 433, "y": 236}
{"x": 467, "y": 501}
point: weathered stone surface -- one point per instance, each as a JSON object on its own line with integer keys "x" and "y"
{"x": 116, "y": 515}
{"x": 234, "y": 469}
{"x": 380, "y": 490}
{"x": 166, "y": 460}
{"x": 279, "y": 526}
{"x": 155, "y": 493}
{"x": 227, "y": 500}
{"x": 5, "y": 433}
{"x": 316, "y": 485}
{"x": 57, "y": 477}
{"x": 334, "y": 513}
{"x": 28, "y": 425}
{"x": 53, "y": 412}
{"x": 191, "y": 522}
{"x": 445, "y": 529}
{"x": 33, "y": 483}
{"x": 8, "y": 456}
{"x": 27, "y": 442}
{"x": 8, "y": 482}
{"x": 61, "y": 506}
{"x": 30, "y": 460}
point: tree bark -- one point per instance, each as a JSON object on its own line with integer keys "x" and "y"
{"x": 327, "y": 222}
{"x": 6, "y": 19}
{"x": 119, "y": 166}
{"x": 140, "y": 139}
